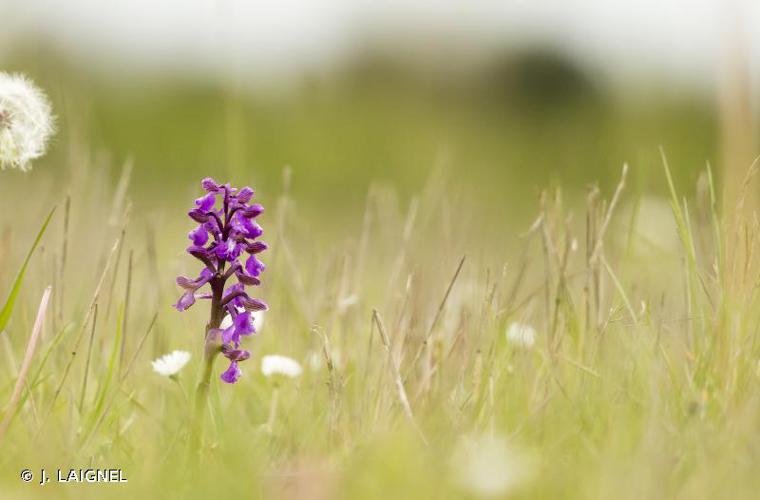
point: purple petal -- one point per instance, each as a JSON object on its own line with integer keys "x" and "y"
{"x": 232, "y": 374}
{"x": 253, "y": 266}
{"x": 212, "y": 227}
{"x": 227, "y": 250}
{"x": 252, "y": 211}
{"x": 236, "y": 251}
{"x": 250, "y": 229}
{"x": 203, "y": 254}
{"x": 220, "y": 249}
{"x": 209, "y": 185}
{"x": 251, "y": 304}
{"x": 206, "y": 203}
{"x": 256, "y": 247}
{"x": 184, "y": 302}
{"x": 230, "y": 336}
{"x": 198, "y": 252}
{"x": 186, "y": 283}
{"x": 237, "y": 287}
{"x": 235, "y": 354}
{"x": 190, "y": 284}
{"x": 247, "y": 279}
{"x": 243, "y": 324}
{"x": 199, "y": 236}
{"x": 245, "y": 195}
{"x": 205, "y": 276}
{"x": 198, "y": 215}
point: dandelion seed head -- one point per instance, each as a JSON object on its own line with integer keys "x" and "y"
{"x": 521, "y": 335}
{"x": 170, "y": 364}
{"x": 274, "y": 364}
{"x": 26, "y": 122}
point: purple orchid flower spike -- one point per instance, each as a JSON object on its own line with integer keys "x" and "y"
{"x": 226, "y": 242}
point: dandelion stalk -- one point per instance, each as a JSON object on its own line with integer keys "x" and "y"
{"x": 273, "y": 408}
{"x": 278, "y": 367}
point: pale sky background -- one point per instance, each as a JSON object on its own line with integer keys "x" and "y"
{"x": 673, "y": 39}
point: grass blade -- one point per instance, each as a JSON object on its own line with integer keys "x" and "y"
{"x": 10, "y": 302}
{"x": 110, "y": 372}
{"x": 10, "y": 411}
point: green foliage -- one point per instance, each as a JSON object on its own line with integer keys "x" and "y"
{"x": 10, "y": 302}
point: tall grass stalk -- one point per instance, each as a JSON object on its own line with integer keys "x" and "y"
{"x": 31, "y": 347}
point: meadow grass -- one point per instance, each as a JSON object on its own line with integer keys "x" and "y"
{"x": 642, "y": 382}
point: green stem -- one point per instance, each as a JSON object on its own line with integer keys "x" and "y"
{"x": 273, "y": 408}
{"x": 210, "y": 350}
{"x": 201, "y": 400}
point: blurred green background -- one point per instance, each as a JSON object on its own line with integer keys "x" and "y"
{"x": 500, "y": 131}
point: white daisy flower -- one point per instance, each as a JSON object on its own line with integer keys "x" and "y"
{"x": 487, "y": 465}
{"x": 521, "y": 335}
{"x": 274, "y": 364}
{"x": 26, "y": 122}
{"x": 170, "y": 364}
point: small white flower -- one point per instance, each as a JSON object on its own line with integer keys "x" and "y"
{"x": 275, "y": 364}
{"x": 26, "y": 122}
{"x": 256, "y": 316}
{"x": 521, "y": 335}
{"x": 170, "y": 364}
{"x": 487, "y": 465}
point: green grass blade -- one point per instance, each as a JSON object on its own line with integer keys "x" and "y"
{"x": 112, "y": 362}
{"x": 5, "y": 313}
{"x": 35, "y": 378}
